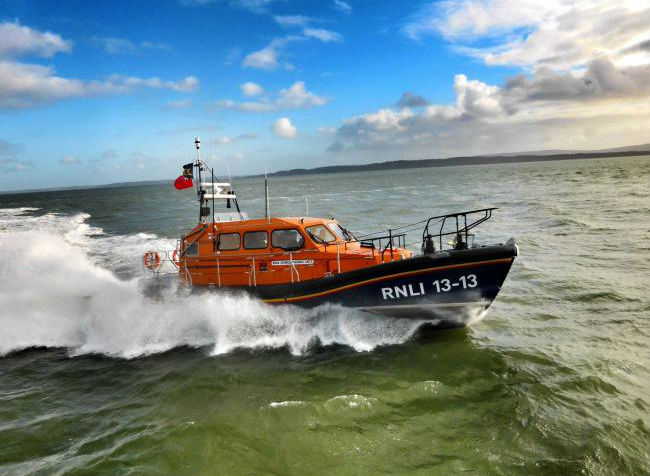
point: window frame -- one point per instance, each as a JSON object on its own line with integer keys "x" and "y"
{"x": 344, "y": 232}
{"x": 228, "y": 249}
{"x": 302, "y": 245}
{"x": 318, "y": 240}
{"x": 243, "y": 240}
{"x": 191, "y": 249}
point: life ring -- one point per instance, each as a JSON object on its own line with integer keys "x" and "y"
{"x": 175, "y": 257}
{"x": 152, "y": 260}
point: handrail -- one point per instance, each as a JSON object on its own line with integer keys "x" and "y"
{"x": 427, "y": 236}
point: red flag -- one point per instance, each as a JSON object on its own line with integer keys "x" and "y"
{"x": 183, "y": 182}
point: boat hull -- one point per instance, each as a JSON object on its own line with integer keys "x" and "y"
{"x": 450, "y": 288}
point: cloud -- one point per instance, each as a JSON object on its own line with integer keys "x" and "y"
{"x": 268, "y": 57}
{"x": 113, "y": 46}
{"x": 180, "y": 104}
{"x": 342, "y": 6}
{"x": 295, "y": 96}
{"x": 336, "y": 147}
{"x": 10, "y": 149}
{"x": 232, "y": 56}
{"x": 17, "y": 40}
{"x": 283, "y": 128}
{"x": 326, "y": 130}
{"x": 250, "y": 89}
{"x": 227, "y": 140}
{"x": 26, "y": 85}
{"x": 292, "y": 20}
{"x": 106, "y": 156}
{"x": 409, "y": 99}
{"x": 30, "y": 85}
{"x": 254, "y": 6}
{"x": 602, "y": 107}
{"x": 560, "y": 34}
{"x": 16, "y": 165}
{"x": 69, "y": 160}
{"x": 9, "y": 153}
{"x": 601, "y": 80}
{"x": 321, "y": 34}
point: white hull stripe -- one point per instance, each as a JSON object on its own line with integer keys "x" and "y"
{"x": 424, "y": 305}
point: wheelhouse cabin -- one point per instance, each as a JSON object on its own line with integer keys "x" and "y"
{"x": 275, "y": 251}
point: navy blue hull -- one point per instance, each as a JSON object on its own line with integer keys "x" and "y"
{"x": 452, "y": 288}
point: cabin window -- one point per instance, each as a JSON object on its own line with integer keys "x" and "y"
{"x": 228, "y": 241}
{"x": 341, "y": 232}
{"x": 288, "y": 240}
{"x": 320, "y": 234}
{"x": 256, "y": 240}
{"x": 192, "y": 250}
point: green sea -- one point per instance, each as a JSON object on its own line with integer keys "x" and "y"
{"x": 106, "y": 371}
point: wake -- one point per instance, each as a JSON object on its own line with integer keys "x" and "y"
{"x": 58, "y": 289}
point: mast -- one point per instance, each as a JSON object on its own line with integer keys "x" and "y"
{"x": 199, "y": 189}
{"x": 267, "y": 209}
{"x": 211, "y": 190}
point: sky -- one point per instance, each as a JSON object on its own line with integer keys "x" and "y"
{"x": 102, "y": 92}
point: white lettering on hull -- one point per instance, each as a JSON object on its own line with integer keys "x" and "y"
{"x": 438, "y": 286}
{"x": 295, "y": 262}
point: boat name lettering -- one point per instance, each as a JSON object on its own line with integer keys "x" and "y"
{"x": 439, "y": 286}
{"x": 295, "y": 262}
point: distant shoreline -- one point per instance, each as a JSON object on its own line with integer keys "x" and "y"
{"x": 453, "y": 161}
{"x": 391, "y": 165}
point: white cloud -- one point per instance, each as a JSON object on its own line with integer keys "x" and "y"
{"x": 255, "y": 6}
{"x": 326, "y": 130}
{"x": 29, "y": 85}
{"x": 250, "y": 89}
{"x": 268, "y": 57}
{"x": 603, "y": 107}
{"x": 297, "y": 97}
{"x": 342, "y": 6}
{"x": 292, "y": 20}
{"x": 227, "y": 140}
{"x": 294, "y": 97}
{"x": 17, "y": 40}
{"x": 113, "y": 46}
{"x": 321, "y": 34}
{"x": 69, "y": 160}
{"x": 283, "y": 128}
{"x": 561, "y": 34}
{"x": 16, "y": 165}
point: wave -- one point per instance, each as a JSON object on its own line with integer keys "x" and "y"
{"x": 58, "y": 288}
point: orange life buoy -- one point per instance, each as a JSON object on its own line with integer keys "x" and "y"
{"x": 152, "y": 260}
{"x": 175, "y": 257}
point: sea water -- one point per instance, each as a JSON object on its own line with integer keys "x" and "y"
{"x": 106, "y": 371}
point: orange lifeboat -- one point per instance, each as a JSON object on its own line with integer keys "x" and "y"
{"x": 311, "y": 261}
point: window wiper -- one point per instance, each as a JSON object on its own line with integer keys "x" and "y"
{"x": 316, "y": 239}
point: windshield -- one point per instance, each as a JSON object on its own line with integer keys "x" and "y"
{"x": 320, "y": 234}
{"x": 341, "y": 232}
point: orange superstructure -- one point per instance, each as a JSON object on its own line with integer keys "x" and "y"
{"x": 275, "y": 251}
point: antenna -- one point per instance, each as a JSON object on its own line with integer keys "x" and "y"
{"x": 199, "y": 186}
{"x": 267, "y": 207}
{"x": 197, "y": 144}
{"x": 307, "y": 205}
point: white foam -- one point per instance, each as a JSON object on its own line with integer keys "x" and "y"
{"x": 287, "y": 403}
{"x": 55, "y": 292}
